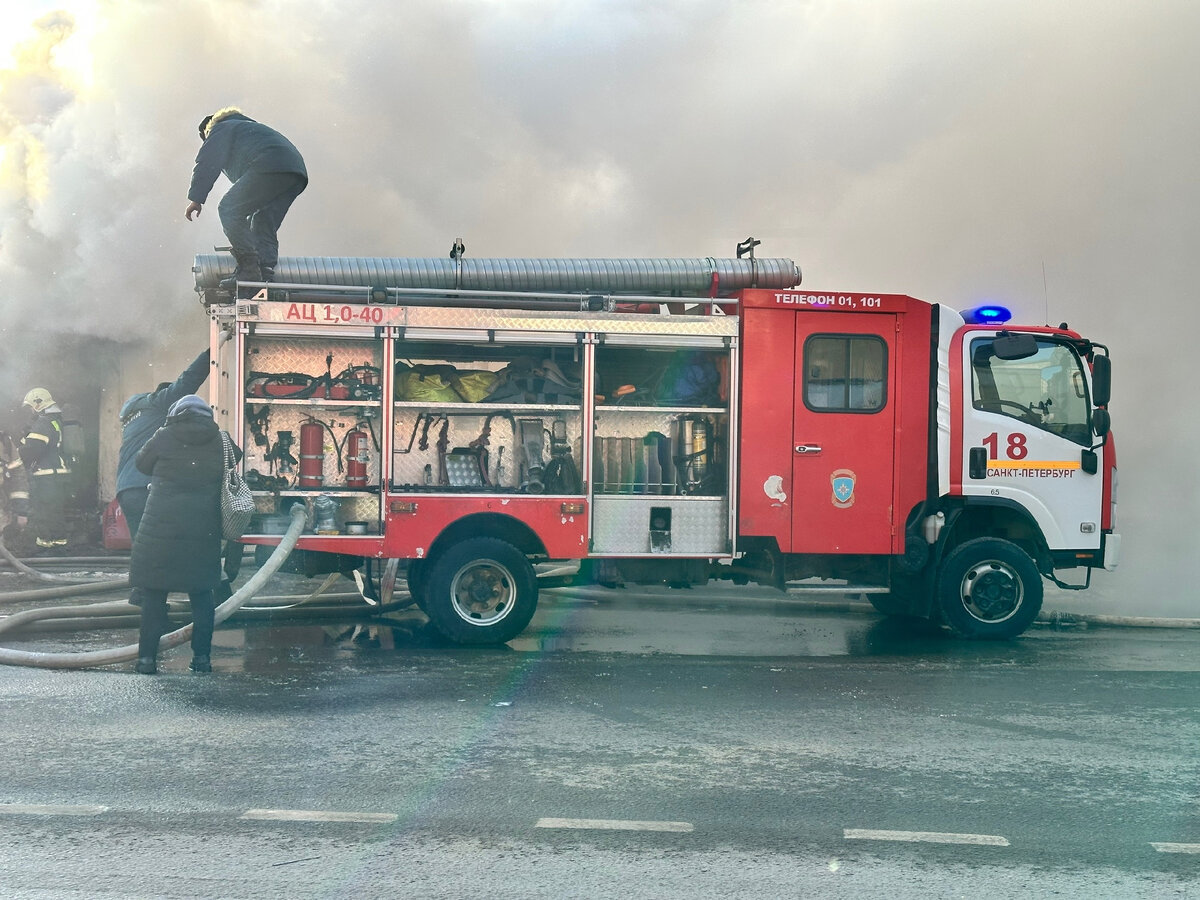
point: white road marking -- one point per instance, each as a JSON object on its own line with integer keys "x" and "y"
{"x": 614, "y": 825}
{"x": 311, "y": 815}
{"x": 36, "y": 809}
{"x": 927, "y": 837}
{"x": 1166, "y": 847}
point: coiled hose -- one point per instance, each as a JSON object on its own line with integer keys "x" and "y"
{"x": 92, "y": 658}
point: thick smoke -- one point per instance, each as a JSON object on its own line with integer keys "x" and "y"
{"x": 1033, "y": 153}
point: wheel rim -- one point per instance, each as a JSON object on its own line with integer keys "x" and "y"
{"x": 992, "y": 591}
{"x": 483, "y": 592}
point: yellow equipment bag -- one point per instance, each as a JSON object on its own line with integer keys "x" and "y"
{"x": 427, "y": 383}
{"x": 474, "y": 386}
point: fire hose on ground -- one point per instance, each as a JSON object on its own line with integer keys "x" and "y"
{"x": 103, "y": 584}
{"x": 92, "y": 658}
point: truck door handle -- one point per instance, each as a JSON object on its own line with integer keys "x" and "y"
{"x": 808, "y": 449}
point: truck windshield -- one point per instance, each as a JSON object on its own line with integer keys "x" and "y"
{"x": 1047, "y": 390}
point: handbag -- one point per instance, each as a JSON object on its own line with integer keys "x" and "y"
{"x": 237, "y": 503}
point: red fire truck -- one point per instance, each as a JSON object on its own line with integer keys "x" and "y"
{"x": 488, "y": 427}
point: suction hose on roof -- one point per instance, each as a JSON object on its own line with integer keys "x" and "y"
{"x": 92, "y": 658}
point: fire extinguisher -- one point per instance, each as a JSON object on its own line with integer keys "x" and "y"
{"x": 312, "y": 455}
{"x": 357, "y": 457}
{"x": 694, "y": 438}
{"x": 700, "y": 449}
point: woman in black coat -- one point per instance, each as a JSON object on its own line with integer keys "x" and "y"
{"x": 178, "y": 546}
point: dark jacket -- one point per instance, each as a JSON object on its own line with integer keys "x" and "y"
{"x": 143, "y": 414}
{"x": 178, "y": 545}
{"x": 41, "y": 448}
{"x": 16, "y": 482}
{"x": 237, "y": 145}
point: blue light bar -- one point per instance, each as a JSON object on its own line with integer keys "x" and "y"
{"x": 988, "y": 314}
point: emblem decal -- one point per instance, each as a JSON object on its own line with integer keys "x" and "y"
{"x": 773, "y": 488}
{"x": 843, "y": 488}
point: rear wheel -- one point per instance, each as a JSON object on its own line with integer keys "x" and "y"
{"x": 480, "y": 591}
{"x": 989, "y": 588}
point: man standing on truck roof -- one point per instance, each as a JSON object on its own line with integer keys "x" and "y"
{"x": 267, "y": 172}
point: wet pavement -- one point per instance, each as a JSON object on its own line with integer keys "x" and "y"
{"x": 714, "y": 742}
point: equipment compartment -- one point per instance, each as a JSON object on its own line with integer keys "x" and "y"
{"x": 487, "y": 418}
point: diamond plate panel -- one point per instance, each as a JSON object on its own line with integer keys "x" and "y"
{"x": 307, "y": 355}
{"x": 621, "y": 525}
{"x": 482, "y": 320}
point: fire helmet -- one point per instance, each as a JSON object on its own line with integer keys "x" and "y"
{"x": 38, "y": 399}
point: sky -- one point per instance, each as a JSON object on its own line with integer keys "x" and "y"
{"x": 1038, "y": 154}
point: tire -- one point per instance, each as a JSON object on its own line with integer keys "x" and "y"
{"x": 480, "y": 591}
{"x": 989, "y": 589}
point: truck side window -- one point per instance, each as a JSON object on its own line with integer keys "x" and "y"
{"x": 1047, "y": 390}
{"x": 845, "y": 373}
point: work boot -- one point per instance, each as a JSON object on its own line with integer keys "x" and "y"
{"x": 146, "y": 665}
{"x": 248, "y": 269}
{"x": 201, "y": 664}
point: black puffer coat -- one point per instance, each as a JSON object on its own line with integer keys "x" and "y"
{"x": 178, "y": 546}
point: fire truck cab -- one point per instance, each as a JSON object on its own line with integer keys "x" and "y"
{"x": 472, "y": 424}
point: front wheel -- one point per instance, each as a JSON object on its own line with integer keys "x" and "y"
{"x": 480, "y": 591}
{"x": 989, "y": 588}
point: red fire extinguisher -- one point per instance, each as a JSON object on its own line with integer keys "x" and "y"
{"x": 357, "y": 457}
{"x": 312, "y": 455}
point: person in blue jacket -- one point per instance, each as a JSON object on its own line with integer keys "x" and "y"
{"x": 267, "y": 172}
{"x": 141, "y": 416}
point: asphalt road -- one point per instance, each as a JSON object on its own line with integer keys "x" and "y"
{"x": 656, "y": 744}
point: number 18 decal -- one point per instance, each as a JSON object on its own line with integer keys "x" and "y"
{"x": 1016, "y": 448}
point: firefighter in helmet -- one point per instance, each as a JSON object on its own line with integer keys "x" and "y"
{"x": 49, "y": 474}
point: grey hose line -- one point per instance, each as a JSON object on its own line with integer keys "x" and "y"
{"x": 92, "y": 658}
{"x": 67, "y": 590}
{"x": 46, "y": 576}
{"x": 1116, "y": 621}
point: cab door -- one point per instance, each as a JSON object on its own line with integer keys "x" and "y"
{"x": 843, "y": 437}
{"x": 1027, "y": 427}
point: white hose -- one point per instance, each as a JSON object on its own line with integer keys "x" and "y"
{"x": 92, "y": 658}
{"x": 53, "y": 579}
{"x": 1119, "y": 621}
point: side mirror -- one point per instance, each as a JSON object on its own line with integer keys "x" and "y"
{"x": 1014, "y": 346}
{"x": 1101, "y": 381}
{"x": 1101, "y": 422}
